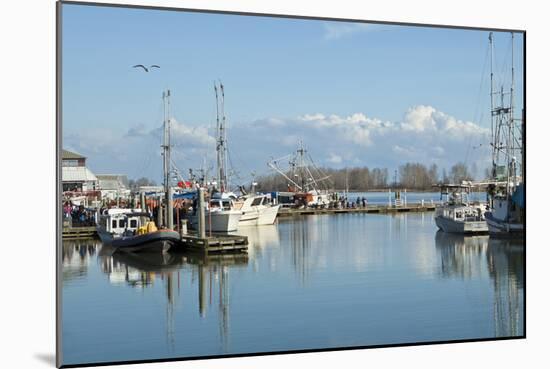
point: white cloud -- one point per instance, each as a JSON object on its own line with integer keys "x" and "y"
{"x": 335, "y": 159}
{"x": 137, "y": 151}
{"x": 190, "y": 135}
{"x": 336, "y": 30}
{"x": 424, "y": 135}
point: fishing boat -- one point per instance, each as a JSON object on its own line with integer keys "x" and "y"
{"x": 131, "y": 230}
{"x": 256, "y": 210}
{"x": 219, "y": 215}
{"x": 457, "y": 214}
{"x": 227, "y": 211}
{"x": 506, "y": 215}
{"x": 305, "y": 179}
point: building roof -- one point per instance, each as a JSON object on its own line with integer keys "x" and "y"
{"x": 66, "y": 154}
{"x": 77, "y": 174}
{"x": 112, "y": 181}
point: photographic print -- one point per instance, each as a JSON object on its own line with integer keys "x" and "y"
{"x": 240, "y": 184}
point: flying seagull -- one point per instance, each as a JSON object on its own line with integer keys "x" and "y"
{"x": 144, "y": 67}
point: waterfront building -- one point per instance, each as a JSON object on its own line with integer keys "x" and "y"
{"x": 113, "y": 186}
{"x": 75, "y": 176}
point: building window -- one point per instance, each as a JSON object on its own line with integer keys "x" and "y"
{"x": 70, "y": 162}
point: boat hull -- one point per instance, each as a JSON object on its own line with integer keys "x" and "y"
{"x": 160, "y": 241}
{"x": 468, "y": 227}
{"x": 260, "y": 216}
{"x": 222, "y": 221}
{"x": 502, "y": 228}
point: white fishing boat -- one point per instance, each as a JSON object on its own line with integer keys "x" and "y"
{"x": 457, "y": 214}
{"x": 506, "y": 215}
{"x": 219, "y": 216}
{"x": 226, "y": 212}
{"x": 256, "y": 210}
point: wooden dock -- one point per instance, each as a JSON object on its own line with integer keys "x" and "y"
{"x": 370, "y": 209}
{"x": 215, "y": 244}
{"x": 78, "y": 233}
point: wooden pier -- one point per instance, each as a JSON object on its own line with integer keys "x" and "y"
{"x": 215, "y": 244}
{"x": 370, "y": 209}
{"x": 78, "y": 233}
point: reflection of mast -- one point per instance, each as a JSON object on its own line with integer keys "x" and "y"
{"x": 170, "y": 329}
{"x": 300, "y": 251}
{"x": 202, "y": 290}
{"x": 464, "y": 257}
{"x": 506, "y": 268}
{"x": 223, "y": 305}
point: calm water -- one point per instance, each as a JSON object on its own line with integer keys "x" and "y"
{"x": 312, "y": 282}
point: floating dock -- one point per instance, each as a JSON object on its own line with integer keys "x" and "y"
{"x": 370, "y": 209}
{"x": 215, "y": 244}
{"x": 78, "y": 233}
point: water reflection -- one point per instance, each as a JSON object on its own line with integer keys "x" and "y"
{"x": 469, "y": 257}
{"x": 76, "y": 257}
{"x": 311, "y": 282}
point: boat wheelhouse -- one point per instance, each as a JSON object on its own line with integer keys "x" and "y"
{"x": 457, "y": 214}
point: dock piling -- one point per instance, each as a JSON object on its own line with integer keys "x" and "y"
{"x": 202, "y": 230}
{"x": 170, "y": 210}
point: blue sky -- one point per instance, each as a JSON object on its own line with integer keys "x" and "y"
{"x": 356, "y": 94}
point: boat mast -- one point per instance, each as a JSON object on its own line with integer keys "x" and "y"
{"x": 511, "y": 125}
{"x": 301, "y": 152}
{"x": 218, "y": 174}
{"x": 222, "y": 139}
{"x": 493, "y": 120}
{"x": 166, "y": 149}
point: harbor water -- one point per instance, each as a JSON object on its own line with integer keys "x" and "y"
{"x": 310, "y": 282}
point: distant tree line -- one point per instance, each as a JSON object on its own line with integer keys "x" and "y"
{"x": 414, "y": 176}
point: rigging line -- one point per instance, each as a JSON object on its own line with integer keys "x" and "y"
{"x": 504, "y": 66}
{"x": 476, "y": 111}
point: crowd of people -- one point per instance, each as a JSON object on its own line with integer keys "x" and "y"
{"x": 78, "y": 215}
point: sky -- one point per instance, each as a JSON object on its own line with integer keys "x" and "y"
{"x": 356, "y": 94}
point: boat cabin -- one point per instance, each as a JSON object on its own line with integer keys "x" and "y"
{"x": 220, "y": 204}
{"x": 121, "y": 221}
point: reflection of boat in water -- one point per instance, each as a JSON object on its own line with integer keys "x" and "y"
{"x": 503, "y": 259}
{"x": 150, "y": 261}
{"x": 461, "y": 255}
{"x": 260, "y": 237}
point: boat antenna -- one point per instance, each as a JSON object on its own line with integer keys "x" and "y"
{"x": 218, "y": 174}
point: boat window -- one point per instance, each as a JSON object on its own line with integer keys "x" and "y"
{"x": 133, "y": 223}
{"x": 122, "y": 223}
{"x": 113, "y": 223}
{"x": 257, "y": 201}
